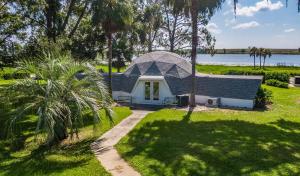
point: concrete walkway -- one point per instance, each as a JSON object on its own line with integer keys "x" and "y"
{"x": 104, "y": 146}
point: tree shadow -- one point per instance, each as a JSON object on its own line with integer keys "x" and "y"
{"x": 42, "y": 162}
{"x": 288, "y": 125}
{"x": 221, "y": 147}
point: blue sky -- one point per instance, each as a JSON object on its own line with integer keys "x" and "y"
{"x": 258, "y": 23}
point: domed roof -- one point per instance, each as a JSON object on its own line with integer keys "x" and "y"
{"x": 160, "y": 63}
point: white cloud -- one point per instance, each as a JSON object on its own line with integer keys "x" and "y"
{"x": 213, "y": 28}
{"x": 248, "y": 25}
{"x": 289, "y": 30}
{"x": 263, "y": 5}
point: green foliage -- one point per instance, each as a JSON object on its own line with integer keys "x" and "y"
{"x": 72, "y": 157}
{"x": 282, "y": 76}
{"x": 121, "y": 51}
{"x": 57, "y": 96}
{"x": 276, "y": 83}
{"x": 17, "y": 75}
{"x": 263, "y": 98}
{"x": 113, "y": 15}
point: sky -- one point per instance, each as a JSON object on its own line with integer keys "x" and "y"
{"x": 260, "y": 23}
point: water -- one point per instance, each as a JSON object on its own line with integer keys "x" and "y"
{"x": 244, "y": 59}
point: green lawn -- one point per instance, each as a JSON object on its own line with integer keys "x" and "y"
{"x": 71, "y": 158}
{"x": 105, "y": 68}
{"x": 221, "y": 69}
{"x": 219, "y": 142}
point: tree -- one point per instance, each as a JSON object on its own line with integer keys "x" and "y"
{"x": 252, "y": 53}
{"x": 176, "y": 30}
{"x": 150, "y": 19}
{"x": 112, "y": 16}
{"x": 259, "y": 54}
{"x": 58, "y": 97}
{"x": 53, "y": 17}
{"x": 194, "y": 8}
{"x": 266, "y": 53}
{"x": 88, "y": 41}
{"x": 122, "y": 51}
{"x": 12, "y": 29}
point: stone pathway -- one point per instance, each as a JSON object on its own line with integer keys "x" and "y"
{"x": 104, "y": 146}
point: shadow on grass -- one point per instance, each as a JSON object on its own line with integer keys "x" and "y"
{"x": 44, "y": 162}
{"x": 221, "y": 147}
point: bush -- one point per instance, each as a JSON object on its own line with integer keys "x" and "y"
{"x": 280, "y": 76}
{"x": 20, "y": 75}
{"x": 276, "y": 83}
{"x": 263, "y": 98}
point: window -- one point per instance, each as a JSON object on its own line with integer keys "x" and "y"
{"x": 155, "y": 90}
{"x": 147, "y": 90}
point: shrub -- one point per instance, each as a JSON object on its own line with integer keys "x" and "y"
{"x": 280, "y": 76}
{"x": 276, "y": 83}
{"x": 17, "y": 75}
{"x": 263, "y": 98}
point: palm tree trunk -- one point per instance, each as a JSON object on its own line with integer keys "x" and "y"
{"x": 254, "y": 62}
{"x": 60, "y": 133}
{"x": 264, "y": 63}
{"x": 109, "y": 37}
{"x": 194, "y": 15}
{"x": 260, "y": 62}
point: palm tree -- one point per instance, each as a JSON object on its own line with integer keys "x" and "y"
{"x": 58, "y": 97}
{"x": 252, "y": 53}
{"x": 259, "y": 54}
{"x": 193, "y": 9}
{"x": 266, "y": 53}
{"x": 113, "y": 16}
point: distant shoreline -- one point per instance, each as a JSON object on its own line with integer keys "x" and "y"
{"x": 246, "y": 51}
{"x": 241, "y": 65}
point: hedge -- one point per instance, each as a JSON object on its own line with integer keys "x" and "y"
{"x": 283, "y": 76}
{"x": 276, "y": 83}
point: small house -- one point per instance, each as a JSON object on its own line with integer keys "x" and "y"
{"x": 157, "y": 78}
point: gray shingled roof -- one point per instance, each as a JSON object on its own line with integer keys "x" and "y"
{"x": 238, "y": 87}
{"x": 177, "y": 73}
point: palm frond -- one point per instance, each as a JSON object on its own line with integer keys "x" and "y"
{"x": 58, "y": 97}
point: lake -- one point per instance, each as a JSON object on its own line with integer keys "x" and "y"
{"x": 244, "y": 59}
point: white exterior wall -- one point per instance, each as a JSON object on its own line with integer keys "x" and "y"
{"x": 117, "y": 94}
{"x": 230, "y": 102}
{"x": 138, "y": 92}
{"x": 200, "y": 99}
{"x": 227, "y": 102}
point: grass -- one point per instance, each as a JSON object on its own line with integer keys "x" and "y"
{"x": 6, "y": 82}
{"x": 219, "y": 142}
{"x": 73, "y": 157}
{"x": 105, "y": 68}
{"x": 211, "y": 69}
{"x": 221, "y": 69}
